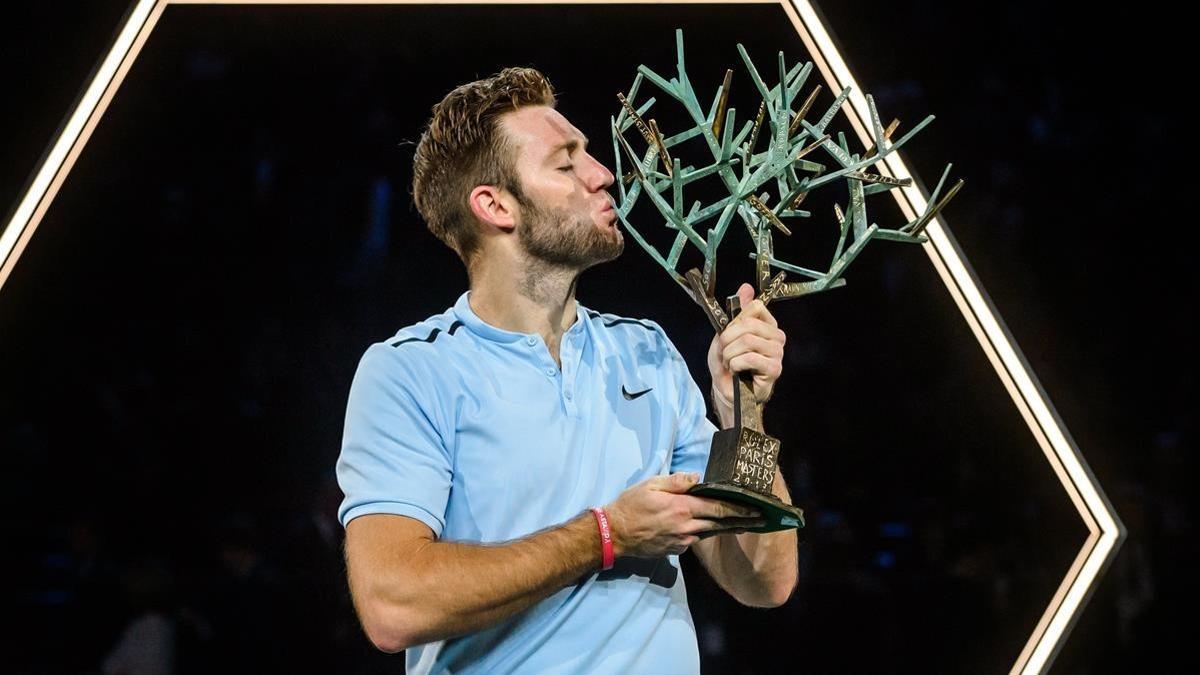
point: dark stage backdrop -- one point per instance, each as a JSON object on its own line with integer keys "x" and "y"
{"x": 177, "y": 341}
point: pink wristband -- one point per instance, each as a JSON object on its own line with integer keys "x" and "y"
{"x": 606, "y": 544}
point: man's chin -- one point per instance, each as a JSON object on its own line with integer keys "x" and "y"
{"x": 617, "y": 249}
{"x": 607, "y": 256}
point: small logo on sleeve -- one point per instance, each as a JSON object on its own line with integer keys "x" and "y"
{"x": 634, "y": 395}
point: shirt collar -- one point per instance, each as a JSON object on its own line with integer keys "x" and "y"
{"x": 464, "y": 313}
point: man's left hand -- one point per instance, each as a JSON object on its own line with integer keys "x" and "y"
{"x": 751, "y": 341}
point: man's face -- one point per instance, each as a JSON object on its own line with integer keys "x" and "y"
{"x": 567, "y": 217}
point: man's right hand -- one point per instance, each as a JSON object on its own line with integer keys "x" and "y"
{"x": 655, "y": 518}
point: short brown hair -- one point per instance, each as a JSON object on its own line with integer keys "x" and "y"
{"x": 463, "y": 146}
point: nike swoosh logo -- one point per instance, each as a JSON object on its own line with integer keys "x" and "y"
{"x": 630, "y": 396}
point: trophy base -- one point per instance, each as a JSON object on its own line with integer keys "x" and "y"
{"x": 779, "y": 515}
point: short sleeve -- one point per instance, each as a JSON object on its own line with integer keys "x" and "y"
{"x": 393, "y": 458}
{"x": 694, "y": 430}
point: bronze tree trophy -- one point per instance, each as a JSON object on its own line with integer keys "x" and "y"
{"x": 743, "y": 459}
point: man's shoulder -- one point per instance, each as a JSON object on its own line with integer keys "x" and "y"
{"x": 435, "y": 332}
{"x": 645, "y": 338}
{"x": 624, "y": 327}
{"x": 418, "y": 347}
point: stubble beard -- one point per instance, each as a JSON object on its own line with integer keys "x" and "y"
{"x": 557, "y": 238}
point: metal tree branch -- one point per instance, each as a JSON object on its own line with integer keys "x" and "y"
{"x": 791, "y": 138}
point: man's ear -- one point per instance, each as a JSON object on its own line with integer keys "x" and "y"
{"x": 493, "y": 207}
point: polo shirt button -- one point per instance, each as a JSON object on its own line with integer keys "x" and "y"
{"x": 531, "y": 340}
{"x": 568, "y": 396}
{"x": 550, "y": 372}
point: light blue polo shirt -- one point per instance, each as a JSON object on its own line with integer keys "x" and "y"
{"x": 476, "y": 432}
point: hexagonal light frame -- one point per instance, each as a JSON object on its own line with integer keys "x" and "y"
{"x": 1105, "y": 530}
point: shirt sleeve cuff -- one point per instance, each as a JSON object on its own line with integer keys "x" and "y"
{"x": 397, "y": 509}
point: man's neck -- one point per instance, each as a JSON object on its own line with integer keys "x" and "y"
{"x": 536, "y": 299}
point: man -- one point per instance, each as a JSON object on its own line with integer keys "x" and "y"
{"x": 478, "y": 440}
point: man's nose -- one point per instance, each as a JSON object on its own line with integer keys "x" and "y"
{"x": 601, "y": 177}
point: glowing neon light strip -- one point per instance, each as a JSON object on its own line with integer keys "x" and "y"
{"x": 1105, "y": 529}
{"x": 74, "y": 134}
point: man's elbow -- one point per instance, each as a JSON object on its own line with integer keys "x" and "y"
{"x": 383, "y": 577}
{"x": 775, "y": 595}
{"x": 388, "y": 628}
{"x": 387, "y": 644}
{"x": 783, "y": 593}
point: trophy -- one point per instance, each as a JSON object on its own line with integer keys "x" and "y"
{"x": 743, "y": 459}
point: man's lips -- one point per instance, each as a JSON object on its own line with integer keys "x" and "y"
{"x": 609, "y": 214}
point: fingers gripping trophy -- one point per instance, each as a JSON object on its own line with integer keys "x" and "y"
{"x": 743, "y": 459}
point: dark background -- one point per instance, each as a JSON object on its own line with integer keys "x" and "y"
{"x": 177, "y": 341}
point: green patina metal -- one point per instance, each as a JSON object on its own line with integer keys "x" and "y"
{"x": 743, "y": 459}
{"x": 744, "y": 171}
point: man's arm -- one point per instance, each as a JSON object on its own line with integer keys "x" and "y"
{"x": 410, "y": 589}
{"x": 759, "y": 570}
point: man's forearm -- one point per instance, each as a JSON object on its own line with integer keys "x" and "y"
{"x": 761, "y": 568}
{"x": 454, "y": 588}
